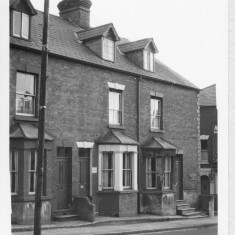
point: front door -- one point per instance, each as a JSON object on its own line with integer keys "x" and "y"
{"x": 64, "y": 157}
{"x": 179, "y": 177}
{"x": 83, "y": 172}
{"x": 205, "y": 185}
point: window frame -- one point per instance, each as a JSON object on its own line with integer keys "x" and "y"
{"x": 32, "y": 171}
{"x": 15, "y": 171}
{"x": 148, "y": 60}
{"x": 21, "y": 26}
{"x": 34, "y": 96}
{"x": 151, "y": 172}
{"x": 160, "y": 116}
{"x": 167, "y": 172}
{"x": 107, "y": 51}
{"x": 110, "y": 154}
{"x": 127, "y": 170}
{"x": 119, "y": 110}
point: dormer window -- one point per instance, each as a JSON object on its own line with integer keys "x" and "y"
{"x": 148, "y": 61}
{"x": 20, "y": 25}
{"x": 108, "y": 49}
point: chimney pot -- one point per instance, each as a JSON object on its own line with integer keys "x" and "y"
{"x": 76, "y": 10}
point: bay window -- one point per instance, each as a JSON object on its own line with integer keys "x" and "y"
{"x": 14, "y": 171}
{"x": 20, "y": 24}
{"x": 108, "y": 170}
{"x": 25, "y": 94}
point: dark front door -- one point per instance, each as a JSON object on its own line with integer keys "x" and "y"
{"x": 205, "y": 185}
{"x": 83, "y": 172}
{"x": 63, "y": 177}
{"x": 179, "y": 177}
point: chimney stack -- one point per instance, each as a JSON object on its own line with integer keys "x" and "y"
{"x": 77, "y": 11}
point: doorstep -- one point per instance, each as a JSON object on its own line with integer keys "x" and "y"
{"x": 100, "y": 221}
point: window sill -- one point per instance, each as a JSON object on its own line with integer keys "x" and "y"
{"x": 156, "y": 130}
{"x": 111, "y": 126}
{"x": 19, "y": 37}
{"x": 26, "y": 118}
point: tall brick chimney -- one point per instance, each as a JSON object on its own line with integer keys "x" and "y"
{"x": 76, "y": 10}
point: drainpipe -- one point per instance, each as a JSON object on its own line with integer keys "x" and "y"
{"x": 138, "y": 139}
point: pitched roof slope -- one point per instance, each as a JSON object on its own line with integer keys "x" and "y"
{"x": 207, "y": 96}
{"x": 96, "y": 32}
{"x": 137, "y": 45}
{"x": 63, "y": 42}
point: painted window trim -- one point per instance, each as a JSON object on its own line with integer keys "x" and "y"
{"x": 160, "y": 128}
{"x": 21, "y": 36}
{"x": 34, "y": 96}
{"x": 32, "y": 171}
{"x": 151, "y": 173}
{"x": 16, "y": 171}
{"x": 119, "y": 88}
{"x": 168, "y": 171}
{"x": 113, "y": 159}
{"x": 148, "y": 61}
{"x": 118, "y": 151}
{"x": 114, "y": 51}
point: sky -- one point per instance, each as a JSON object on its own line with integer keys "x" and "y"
{"x": 191, "y": 35}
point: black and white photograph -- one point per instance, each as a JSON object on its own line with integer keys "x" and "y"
{"x": 117, "y": 117}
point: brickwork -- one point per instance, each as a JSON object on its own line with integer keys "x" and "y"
{"x": 77, "y": 110}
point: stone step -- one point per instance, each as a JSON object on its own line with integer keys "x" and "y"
{"x": 178, "y": 202}
{"x": 194, "y": 214}
{"x": 67, "y": 217}
{"x": 63, "y": 212}
{"x": 182, "y": 206}
{"x": 185, "y": 211}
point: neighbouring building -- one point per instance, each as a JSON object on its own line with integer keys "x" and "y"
{"x": 122, "y": 129}
{"x": 209, "y": 131}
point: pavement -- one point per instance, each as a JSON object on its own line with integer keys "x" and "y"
{"x": 121, "y": 225}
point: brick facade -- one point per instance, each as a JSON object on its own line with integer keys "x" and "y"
{"x": 78, "y": 111}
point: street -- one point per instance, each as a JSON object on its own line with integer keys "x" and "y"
{"x": 197, "y": 231}
{"x": 145, "y": 228}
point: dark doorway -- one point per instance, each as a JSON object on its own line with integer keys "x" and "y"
{"x": 205, "y": 185}
{"x": 64, "y": 177}
{"x": 83, "y": 172}
{"x": 179, "y": 177}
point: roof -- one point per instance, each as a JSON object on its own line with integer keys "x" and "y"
{"x": 97, "y": 32}
{"x": 13, "y": 4}
{"x": 137, "y": 45}
{"x": 162, "y": 145}
{"x": 26, "y": 131}
{"x": 63, "y": 42}
{"x": 116, "y": 137}
{"x": 207, "y": 96}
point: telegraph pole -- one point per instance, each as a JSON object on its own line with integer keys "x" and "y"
{"x": 41, "y": 124}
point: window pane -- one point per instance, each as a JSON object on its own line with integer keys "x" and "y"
{"x": 16, "y": 23}
{"x": 32, "y": 178}
{"x": 13, "y": 182}
{"x": 114, "y": 107}
{"x": 108, "y": 49}
{"x": 25, "y": 84}
{"x": 24, "y": 104}
{"x": 25, "y": 26}
{"x": 203, "y": 144}
{"x": 107, "y": 176}
{"x": 151, "y": 61}
{"x": 145, "y": 60}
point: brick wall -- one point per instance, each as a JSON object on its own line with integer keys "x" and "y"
{"x": 77, "y": 110}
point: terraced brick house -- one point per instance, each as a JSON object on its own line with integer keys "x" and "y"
{"x": 209, "y": 132}
{"x": 122, "y": 129}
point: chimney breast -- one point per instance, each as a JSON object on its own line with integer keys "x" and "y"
{"x": 76, "y": 10}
